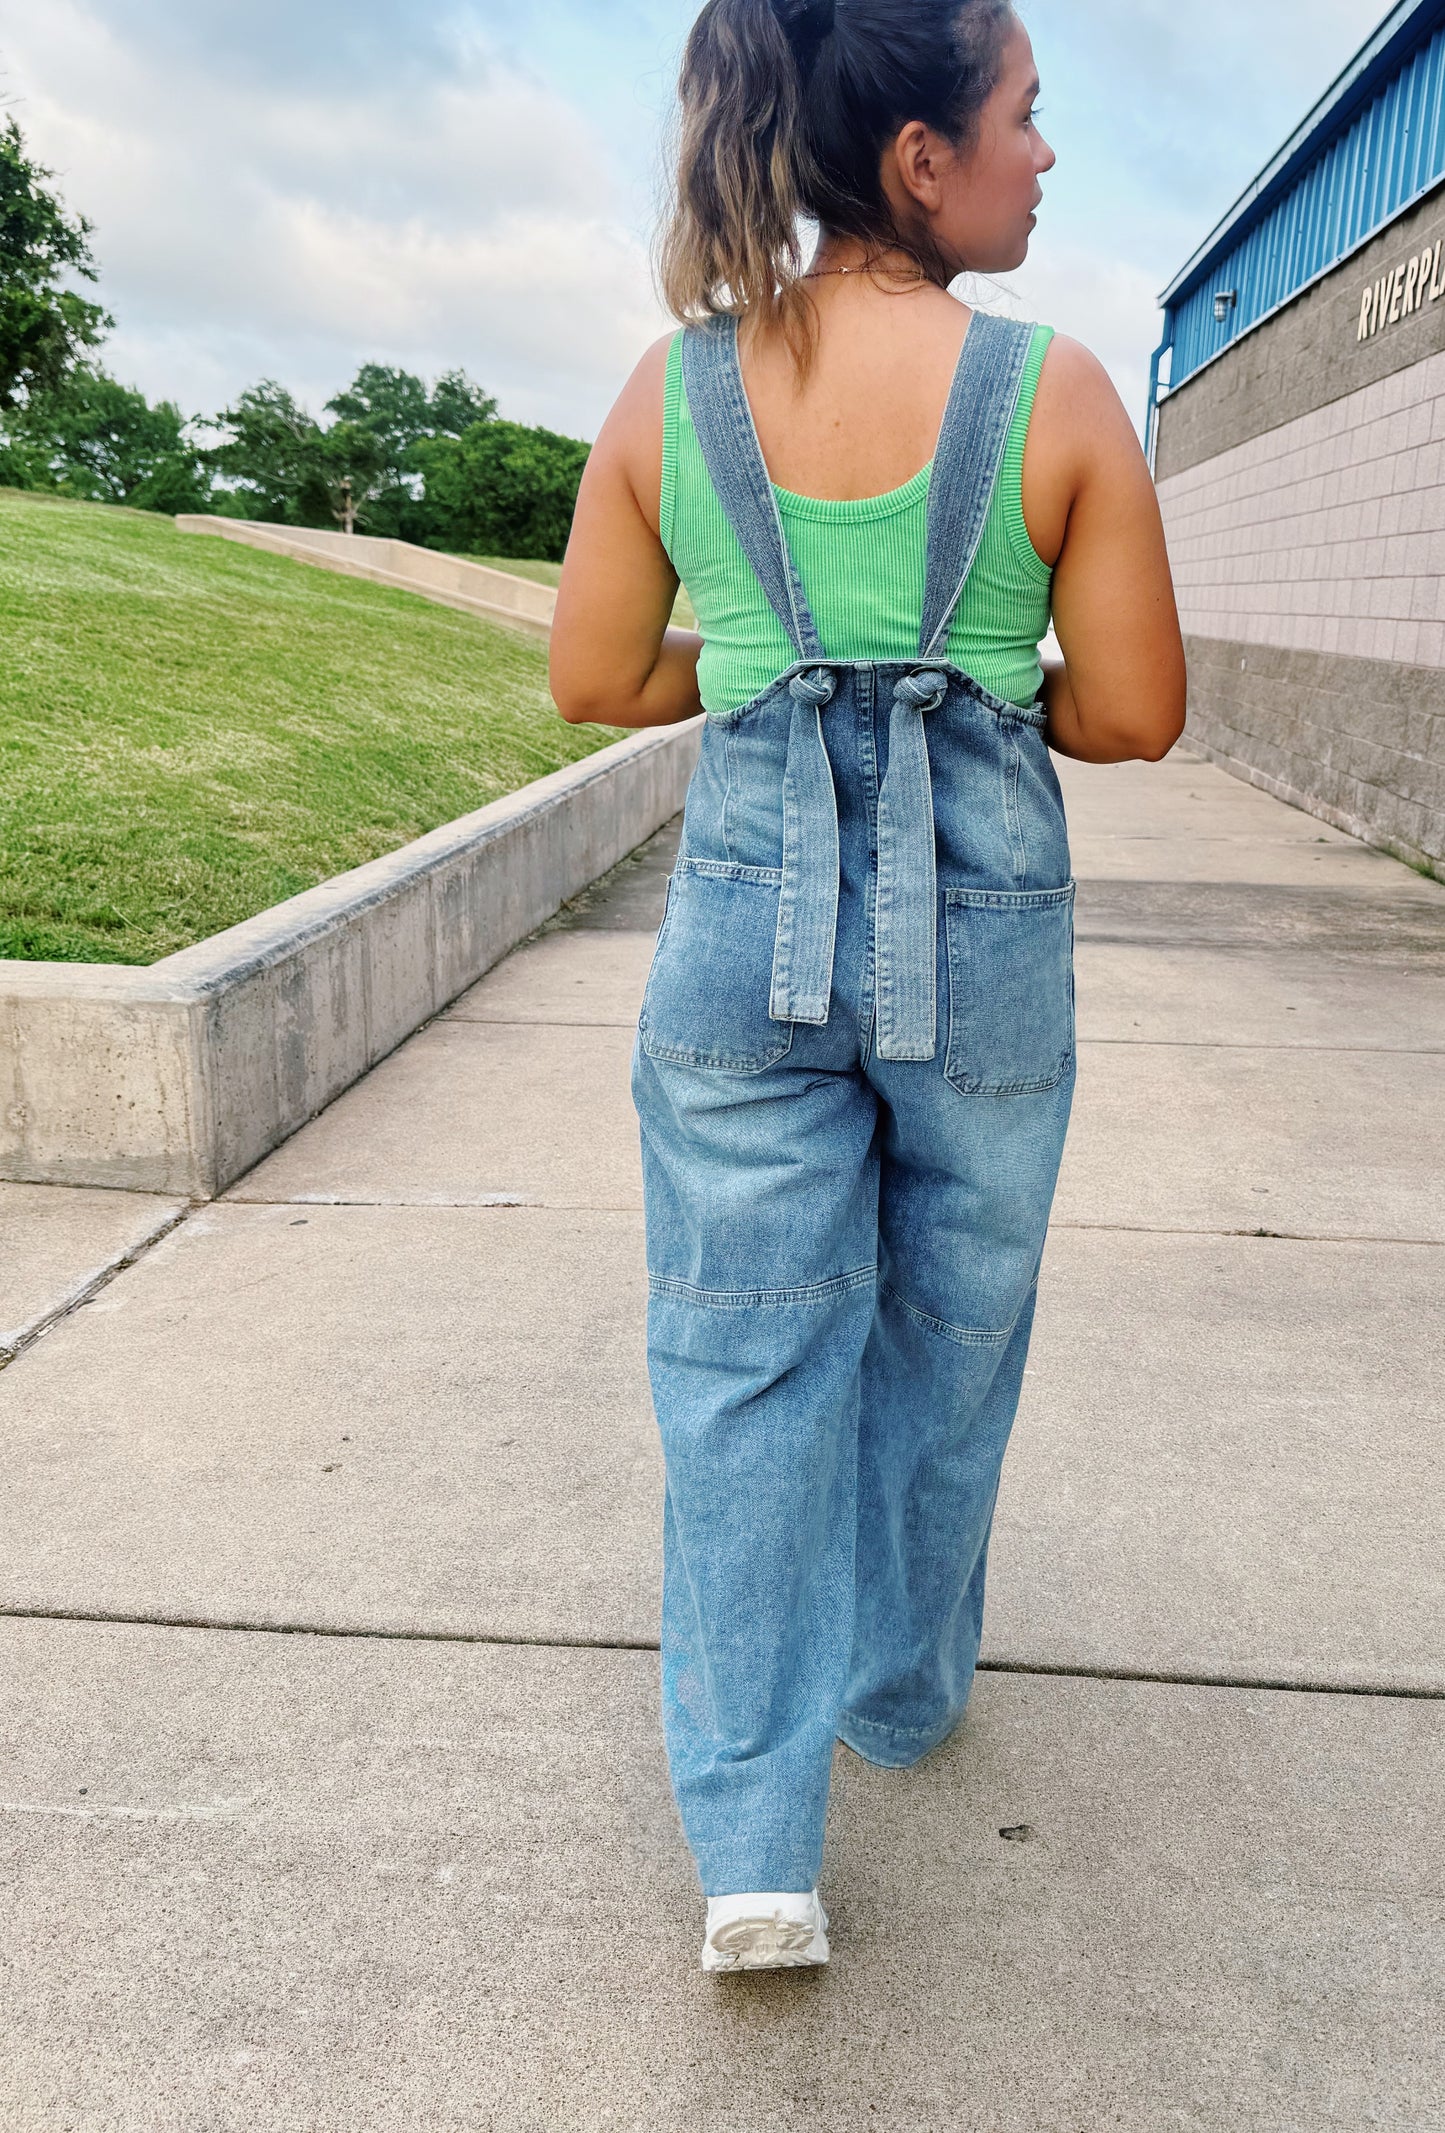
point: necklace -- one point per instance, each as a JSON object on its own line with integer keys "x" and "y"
{"x": 818, "y": 273}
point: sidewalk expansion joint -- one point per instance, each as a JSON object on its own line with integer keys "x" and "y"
{"x": 39, "y": 1327}
{"x": 1042, "y": 1669}
{"x": 118, "y": 1618}
{"x": 484, "y": 1203}
{"x": 1273, "y": 1685}
{"x": 1224, "y": 1044}
{"x": 488, "y": 1203}
{"x": 532, "y": 1022}
{"x": 1276, "y": 1236}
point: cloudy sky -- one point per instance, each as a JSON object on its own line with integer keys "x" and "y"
{"x": 289, "y": 187}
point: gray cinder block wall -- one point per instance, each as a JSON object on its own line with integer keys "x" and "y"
{"x": 1302, "y": 479}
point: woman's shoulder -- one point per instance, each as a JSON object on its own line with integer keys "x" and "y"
{"x": 1079, "y": 429}
{"x": 629, "y": 443}
{"x": 640, "y": 401}
{"x": 1073, "y": 372}
{"x": 1078, "y": 413}
{"x": 631, "y": 436}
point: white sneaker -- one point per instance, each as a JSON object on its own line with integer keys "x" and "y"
{"x": 765, "y": 1932}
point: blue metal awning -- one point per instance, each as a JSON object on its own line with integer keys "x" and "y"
{"x": 1373, "y": 144}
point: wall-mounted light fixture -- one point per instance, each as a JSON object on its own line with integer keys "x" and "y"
{"x": 1224, "y": 302}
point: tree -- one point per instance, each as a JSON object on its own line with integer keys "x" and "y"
{"x": 282, "y": 466}
{"x": 44, "y": 326}
{"x": 93, "y": 438}
{"x": 423, "y": 464}
{"x": 502, "y": 488}
{"x": 394, "y": 409}
{"x": 457, "y": 401}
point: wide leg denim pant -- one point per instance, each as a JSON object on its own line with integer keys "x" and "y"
{"x": 853, "y": 1075}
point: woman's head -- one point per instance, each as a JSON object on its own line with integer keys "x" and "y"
{"x": 901, "y": 123}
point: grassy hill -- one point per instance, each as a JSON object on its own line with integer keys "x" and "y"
{"x": 540, "y": 573}
{"x": 192, "y": 730}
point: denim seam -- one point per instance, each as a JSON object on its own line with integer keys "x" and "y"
{"x": 727, "y": 740}
{"x": 966, "y": 1085}
{"x": 709, "y": 1062}
{"x": 871, "y": 1725}
{"x": 961, "y": 1336}
{"x": 1017, "y": 848}
{"x": 763, "y": 1299}
{"x": 731, "y": 870}
{"x": 1008, "y": 899}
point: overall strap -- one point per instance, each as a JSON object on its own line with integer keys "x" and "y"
{"x": 728, "y": 438}
{"x": 802, "y": 979}
{"x": 966, "y": 467}
{"x": 971, "y": 444}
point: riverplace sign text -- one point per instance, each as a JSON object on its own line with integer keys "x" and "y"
{"x": 1413, "y": 284}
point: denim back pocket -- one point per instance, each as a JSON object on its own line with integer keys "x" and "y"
{"x": 706, "y": 1003}
{"x": 1011, "y": 989}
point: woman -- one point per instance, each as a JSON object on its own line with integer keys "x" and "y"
{"x": 856, "y": 1054}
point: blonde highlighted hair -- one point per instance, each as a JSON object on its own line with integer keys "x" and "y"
{"x": 784, "y": 111}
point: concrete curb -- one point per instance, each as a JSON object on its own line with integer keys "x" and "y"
{"x": 450, "y": 579}
{"x": 179, "y": 1076}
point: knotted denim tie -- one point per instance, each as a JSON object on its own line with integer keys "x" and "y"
{"x": 808, "y": 904}
{"x": 907, "y": 919}
{"x": 907, "y": 930}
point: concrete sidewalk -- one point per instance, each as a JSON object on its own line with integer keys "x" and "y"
{"x": 331, "y": 1798}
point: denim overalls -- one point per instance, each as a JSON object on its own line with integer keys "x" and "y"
{"x": 853, "y": 1073}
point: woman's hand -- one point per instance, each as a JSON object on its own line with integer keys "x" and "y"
{"x": 1120, "y": 692}
{"x": 614, "y": 660}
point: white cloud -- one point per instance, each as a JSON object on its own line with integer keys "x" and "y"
{"x": 470, "y": 217}
{"x": 297, "y": 186}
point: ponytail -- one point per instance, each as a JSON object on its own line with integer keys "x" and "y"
{"x": 731, "y": 243}
{"x": 785, "y": 107}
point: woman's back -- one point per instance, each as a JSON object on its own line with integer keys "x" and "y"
{"x": 861, "y": 556}
{"x": 866, "y": 415}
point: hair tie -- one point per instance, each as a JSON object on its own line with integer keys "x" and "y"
{"x": 809, "y": 20}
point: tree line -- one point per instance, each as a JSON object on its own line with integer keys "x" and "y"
{"x": 428, "y": 462}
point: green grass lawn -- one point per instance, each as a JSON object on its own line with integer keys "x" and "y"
{"x": 541, "y": 573}
{"x": 191, "y": 730}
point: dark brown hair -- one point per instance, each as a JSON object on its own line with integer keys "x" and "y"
{"x": 786, "y": 107}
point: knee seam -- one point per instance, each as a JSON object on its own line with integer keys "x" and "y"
{"x": 961, "y": 1336}
{"x": 818, "y": 1292}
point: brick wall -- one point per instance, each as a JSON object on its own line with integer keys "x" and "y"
{"x": 1302, "y": 480}
{"x": 1326, "y": 534}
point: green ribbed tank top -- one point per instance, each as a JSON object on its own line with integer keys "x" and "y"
{"x": 862, "y": 565}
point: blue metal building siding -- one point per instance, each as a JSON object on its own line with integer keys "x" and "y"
{"x": 1389, "y": 153}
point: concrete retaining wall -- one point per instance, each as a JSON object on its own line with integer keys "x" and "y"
{"x": 177, "y": 1077}
{"x": 472, "y": 587}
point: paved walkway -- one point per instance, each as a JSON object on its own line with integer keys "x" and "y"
{"x": 416, "y": 1871}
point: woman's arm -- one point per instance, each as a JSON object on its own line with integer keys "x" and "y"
{"x": 614, "y": 660}
{"x": 1120, "y": 692}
